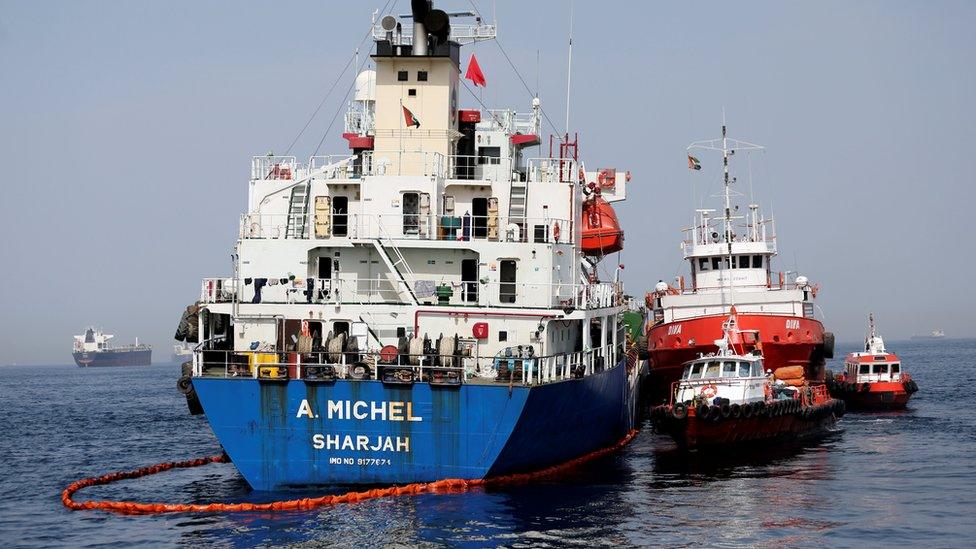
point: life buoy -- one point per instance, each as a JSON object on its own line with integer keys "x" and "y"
{"x": 709, "y": 391}
{"x": 555, "y": 231}
{"x": 605, "y": 180}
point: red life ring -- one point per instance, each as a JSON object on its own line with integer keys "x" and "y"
{"x": 709, "y": 391}
{"x": 606, "y": 179}
{"x": 555, "y": 231}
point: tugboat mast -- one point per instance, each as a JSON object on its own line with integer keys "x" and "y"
{"x": 728, "y": 209}
{"x": 723, "y": 145}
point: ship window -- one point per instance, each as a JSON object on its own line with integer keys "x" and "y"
{"x": 712, "y": 370}
{"x": 728, "y": 369}
{"x": 702, "y": 263}
{"x": 340, "y": 216}
{"x": 489, "y": 155}
{"x": 402, "y": 76}
{"x": 881, "y": 368}
{"x": 743, "y": 369}
{"x": 421, "y": 76}
{"x": 541, "y": 233}
{"x": 325, "y": 268}
{"x": 506, "y": 278}
{"x": 715, "y": 263}
{"x": 757, "y": 369}
{"x": 757, "y": 261}
{"x": 896, "y": 368}
{"x": 865, "y": 369}
{"x": 412, "y": 92}
{"x": 502, "y": 335}
{"x": 743, "y": 262}
{"x": 411, "y": 213}
{"x": 687, "y": 372}
{"x": 696, "y": 369}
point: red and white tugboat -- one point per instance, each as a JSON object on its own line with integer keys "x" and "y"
{"x": 730, "y": 258}
{"x": 727, "y": 397}
{"x": 873, "y": 379}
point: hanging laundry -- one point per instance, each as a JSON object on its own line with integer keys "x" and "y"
{"x": 258, "y": 284}
{"x": 310, "y": 291}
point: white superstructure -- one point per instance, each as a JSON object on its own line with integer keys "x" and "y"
{"x": 454, "y": 225}
{"x": 730, "y": 252}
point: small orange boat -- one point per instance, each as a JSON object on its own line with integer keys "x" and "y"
{"x": 602, "y": 234}
{"x": 873, "y": 379}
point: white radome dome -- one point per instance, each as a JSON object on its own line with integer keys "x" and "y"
{"x": 366, "y": 86}
{"x": 802, "y": 281}
{"x": 661, "y": 287}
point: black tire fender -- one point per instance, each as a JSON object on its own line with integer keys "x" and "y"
{"x": 679, "y": 411}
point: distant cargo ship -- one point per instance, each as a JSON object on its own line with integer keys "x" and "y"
{"x": 934, "y": 334}
{"x": 92, "y": 349}
{"x": 181, "y": 353}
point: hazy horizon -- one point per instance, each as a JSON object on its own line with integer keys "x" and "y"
{"x": 129, "y": 127}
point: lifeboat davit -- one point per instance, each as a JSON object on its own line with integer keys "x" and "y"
{"x": 602, "y": 234}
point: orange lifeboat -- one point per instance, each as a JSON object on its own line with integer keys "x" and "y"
{"x": 602, "y": 234}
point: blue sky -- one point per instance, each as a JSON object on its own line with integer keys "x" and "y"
{"x": 128, "y": 127}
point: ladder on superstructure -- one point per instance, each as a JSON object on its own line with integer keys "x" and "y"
{"x": 517, "y": 199}
{"x": 394, "y": 265}
{"x": 297, "y": 212}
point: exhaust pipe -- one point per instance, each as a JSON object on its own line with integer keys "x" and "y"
{"x": 420, "y": 9}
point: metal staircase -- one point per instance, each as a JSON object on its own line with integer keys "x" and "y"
{"x": 516, "y": 207}
{"x": 297, "y": 212}
{"x": 397, "y": 267}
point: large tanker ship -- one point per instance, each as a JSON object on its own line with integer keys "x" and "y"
{"x": 92, "y": 349}
{"x": 425, "y": 306}
{"x": 730, "y": 258}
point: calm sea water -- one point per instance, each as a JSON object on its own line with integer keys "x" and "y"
{"x": 904, "y": 478}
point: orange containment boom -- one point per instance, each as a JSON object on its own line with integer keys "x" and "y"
{"x": 602, "y": 234}
{"x": 453, "y": 485}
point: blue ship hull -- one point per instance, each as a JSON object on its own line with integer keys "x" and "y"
{"x": 290, "y": 434}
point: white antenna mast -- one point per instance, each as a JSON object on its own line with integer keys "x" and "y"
{"x": 569, "y": 68}
{"x": 727, "y": 147}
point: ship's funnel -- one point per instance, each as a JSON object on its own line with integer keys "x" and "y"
{"x": 421, "y": 9}
{"x": 438, "y": 24}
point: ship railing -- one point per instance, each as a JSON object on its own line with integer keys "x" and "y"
{"x": 428, "y": 164}
{"x": 218, "y": 290}
{"x": 695, "y": 386}
{"x": 320, "y": 365}
{"x": 478, "y": 168}
{"x": 333, "y": 166}
{"x": 462, "y": 33}
{"x": 770, "y": 285}
{"x": 271, "y": 167}
{"x": 552, "y": 170}
{"x": 875, "y": 378}
{"x": 285, "y": 289}
{"x": 461, "y": 228}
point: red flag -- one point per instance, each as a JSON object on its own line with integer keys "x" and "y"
{"x": 474, "y": 73}
{"x": 410, "y": 118}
